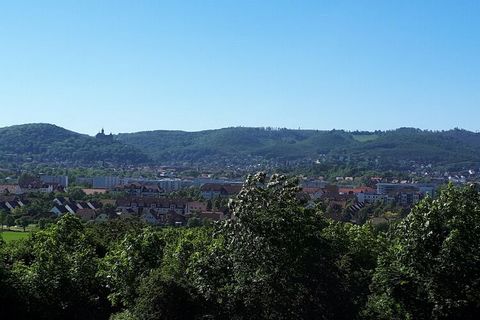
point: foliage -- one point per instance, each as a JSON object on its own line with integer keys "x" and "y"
{"x": 431, "y": 269}
{"x": 128, "y": 262}
{"x": 76, "y": 193}
{"x": 363, "y": 151}
{"x": 270, "y": 261}
{"x": 161, "y": 297}
{"x": 357, "y": 249}
{"x": 343, "y": 153}
{"x": 273, "y": 259}
{"x": 52, "y": 263}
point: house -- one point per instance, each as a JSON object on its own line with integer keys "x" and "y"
{"x": 91, "y": 191}
{"x": 86, "y": 214}
{"x": 63, "y": 205}
{"x": 211, "y": 191}
{"x": 60, "y": 200}
{"x": 71, "y": 207}
{"x": 55, "y": 180}
{"x": 10, "y": 202}
{"x": 3, "y": 207}
{"x": 149, "y": 218}
{"x": 195, "y": 206}
{"x": 314, "y": 193}
{"x": 365, "y": 197}
{"x": 41, "y": 188}
{"x": 174, "y": 218}
{"x": 354, "y": 191}
{"x": 215, "y": 216}
{"x": 7, "y": 189}
{"x": 330, "y": 191}
{"x": 233, "y": 189}
{"x": 139, "y": 190}
{"x": 34, "y": 184}
{"x": 140, "y": 205}
{"x": 58, "y": 210}
{"x": 164, "y": 211}
{"x": 214, "y": 190}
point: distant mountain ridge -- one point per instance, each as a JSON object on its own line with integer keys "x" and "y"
{"x": 49, "y": 143}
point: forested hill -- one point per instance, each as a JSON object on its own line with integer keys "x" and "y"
{"x": 49, "y": 143}
{"x": 238, "y": 143}
{"x": 405, "y": 144}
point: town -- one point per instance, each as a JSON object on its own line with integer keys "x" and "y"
{"x": 180, "y": 201}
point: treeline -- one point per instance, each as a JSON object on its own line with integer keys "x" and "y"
{"x": 275, "y": 259}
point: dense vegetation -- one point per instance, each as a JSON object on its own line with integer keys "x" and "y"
{"x": 397, "y": 149}
{"x": 270, "y": 144}
{"x": 445, "y": 148}
{"x": 274, "y": 260}
{"x": 49, "y": 143}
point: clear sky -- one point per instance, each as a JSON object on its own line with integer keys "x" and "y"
{"x": 192, "y": 65}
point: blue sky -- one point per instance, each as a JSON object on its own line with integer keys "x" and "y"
{"x": 192, "y": 65}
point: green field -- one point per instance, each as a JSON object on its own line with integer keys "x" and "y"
{"x": 13, "y": 235}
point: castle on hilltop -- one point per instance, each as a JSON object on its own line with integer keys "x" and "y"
{"x": 102, "y": 136}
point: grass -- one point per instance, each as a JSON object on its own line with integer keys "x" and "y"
{"x": 13, "y": 235}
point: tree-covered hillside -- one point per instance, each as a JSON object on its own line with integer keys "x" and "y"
{"x": 49, "y": 143}
{"x": 426, "y": 146}
{"x": 280, "y": 144}
{"x": 388, "y": 149}
{"x": 405, "y": 144}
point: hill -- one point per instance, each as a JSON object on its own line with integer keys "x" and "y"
{"x": 236, "y": 143}
{"x": 385, "y": 149}
{"x": 444, "y": 148}
{"x": 49, "y": 143}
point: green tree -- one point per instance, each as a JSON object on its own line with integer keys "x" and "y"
{"x": 128, "y": 262}
{"x": 270, "y": 261}
{"x": 431, "y": 269}
{"x": 11, "y": 302}
{"x": 76, "y": 193}
{"x": 161, "y": 297}
{"x": 23, "y": 222}
{"x": 57, "y": 278}
{"x": 194, "y": 222}
{"x": 9, "y": 221}
{"x": 42, "y": 223}
{"x": 357, "y": 249}
{"x": 3, "y": 218}
{"x": 217, "y": 204}
{"x": 26, "y": 179}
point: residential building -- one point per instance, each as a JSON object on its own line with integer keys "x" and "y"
{"x": 55, "y": 180}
